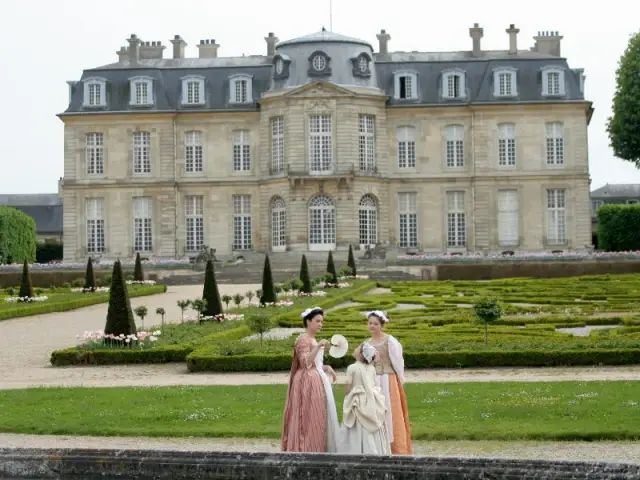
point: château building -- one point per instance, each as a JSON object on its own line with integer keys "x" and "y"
{"x": 323, "y": 142}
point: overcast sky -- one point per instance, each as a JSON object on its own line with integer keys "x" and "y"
{"x": 44, "y": 43}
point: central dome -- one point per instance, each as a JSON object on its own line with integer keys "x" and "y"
{"x": 324, "y": 36}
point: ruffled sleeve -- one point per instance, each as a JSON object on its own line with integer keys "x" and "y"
{"x": 396, "y": 357}
{"x": 303, "y": 348}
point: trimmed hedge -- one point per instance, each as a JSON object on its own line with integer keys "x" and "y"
{"x": 17, "y": 236}
{"x": 49, "y": 278}
{"x": 619, "y": 228}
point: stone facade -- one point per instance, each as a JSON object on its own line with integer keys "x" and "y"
{"x": 263, "y": 186}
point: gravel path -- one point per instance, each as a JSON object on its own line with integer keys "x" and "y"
{"x": 605, "y": 451}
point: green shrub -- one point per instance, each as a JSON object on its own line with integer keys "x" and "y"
{"x": 619, "y": 228}
{"x": 89, "y": 276}
{"x": 351, "y": 262}
{"x": 138, "y": 274}
{"x": 17, "y": 236}
{"x": 49, "y": 251}
{"x": 268, "y": 289}
{"x": 332, "y": 275}
{"x": 488, "y": 310}
{"x": 26, "y": 287}
{"x": 210, "y": 292}
{"x": 260, "y": 323}
{"x": 304, "y": 276}
{"x": 119, "y": 316}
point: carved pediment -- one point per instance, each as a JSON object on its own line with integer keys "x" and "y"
{"x": 319, "y": 89}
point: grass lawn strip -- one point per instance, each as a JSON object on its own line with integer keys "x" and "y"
{"x": 447, "y": 411}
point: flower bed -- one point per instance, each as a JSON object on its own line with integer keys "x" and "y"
{"x": 520, "y": 256}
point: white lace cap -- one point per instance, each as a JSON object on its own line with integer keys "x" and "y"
{"x": 380, "y": 314}
{"x": 368, "y": 351}
{"x": 311, "y": 310}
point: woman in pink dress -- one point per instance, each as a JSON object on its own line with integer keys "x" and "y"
{"x": 310, "y": 415}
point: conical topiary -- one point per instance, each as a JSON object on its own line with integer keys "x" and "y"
{"x": 351, "y": 262}
{"x": 138, "y": 275}
{"x": 210, "y": 292}
{"x": 119, "y": 316}
{"x": 331, "y": 270}
{"x": 304, "y": 276}
{"x": 89, "y": 277}
{"x": 268, "y": 291}
{"x": 26, "y": 287}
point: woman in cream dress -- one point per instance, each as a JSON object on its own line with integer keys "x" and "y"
{"x": 364, "y": 414}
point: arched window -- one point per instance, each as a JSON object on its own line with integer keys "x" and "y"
{"x": 278, "y": 225}
{"x": 368, "y": 221}
{"x": 322, "y": 223}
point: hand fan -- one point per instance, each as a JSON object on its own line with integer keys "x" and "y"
{"x": 339, "y": 346}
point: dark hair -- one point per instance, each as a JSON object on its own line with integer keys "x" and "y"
{"x": 380, "y": 319}
{"x": 311, "y": 314}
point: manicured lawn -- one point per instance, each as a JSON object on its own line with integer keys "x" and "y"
{"x": 472, "y": 411}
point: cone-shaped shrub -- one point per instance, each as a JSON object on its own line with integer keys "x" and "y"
{"x": 26, "y": 287}
{"x": 331, "y": 270}
{"x": 304, "y": 276}
{"x": 89, "y": 276}
{"x": 210, "y": 292}
{"x": 351, "y": 262}
{"x": 138, "y": 275}
{"x": 119, "y": 316}
{"x": 268, "y": 291}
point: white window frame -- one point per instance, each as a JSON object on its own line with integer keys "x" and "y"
{"x": 448, "y": 85}
{"x": 368, "y": 221}
{"x": 277, "y": 144}
{"x": 595, "y": 205}
{"x": 94, "y": 153}
{"x": 508, "y": 218}
{"x": 95, "y": 225}
{"x": 234, "y": 96}
{"x": 320, "y": 134}
{"x": 456, "y": 219}
{"x": 198, "y": 81}
{"x": 144, "y": 100}
{"x": 556, "y": 216}
{"x": 193, "y": 152}
{"x": 90, "y": 99}
{"x": 413, "y": 84}
{"x": 510, "y": 86}
{"x": 141, "y": 143}
{"x": 632, "y": 201}
{"x": 278, "y": 225}
{"x": 554, "y": 144}
{"x": 322, "y": 219}
{"x": 407, "y": 219}
{"x": 242, "y": 225}
{"x": 507, "y": 145}
{"x": 367, "y": 142}
{"x": 194, "y": 222}
{"x": 454, "y": 146}
{"x": 241, "y": 151}
{"x": 560, "y": 89}
{"x": 406, "y": 146}
{"x": 142, "y": 224}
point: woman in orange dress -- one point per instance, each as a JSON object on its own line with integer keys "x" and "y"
{"x": 389, "y": 364}
{"x": 310, "y": 415}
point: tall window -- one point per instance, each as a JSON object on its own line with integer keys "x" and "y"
{"x": 240, "y": 89}
{"x": 455, "y": 146}
{"x": 456, "y": 221}
{"x": 194, "y": 216}
{"x": 142, "y": 224}
{"x": 506, "y": 144}
{"x": 241, "y": 151}
{"x": 368, "y": 220}
{"x": 141, "y": 91}
{"x": 406, "y": 147}
{"x": 555, "y": 143}
{"x": 141, "y": 152}
{"x": 508, "y": 218}
{"x": 504, "y": 82}
{"x": 193, "y": 157}
{"x": 277, "y": 144}
{"x": 193, "y": 90}
{"x": 553, "y": 81}
{"x": 95, "y": 225}
{"x": 556, "y": 216}
{"x": 322, "y": 223}
{"x": 278, "y": 224}
{"x": 95, "y": 153}
{"x": 95, "y": 94}
{"x": 367, "y": 146}
{"x": 406, "y": 86}
{"x": 408, "y": 213}
{"x": 242, "y": 222}
{"x": 320, "y": 143}
{"x": 453, "y": 85}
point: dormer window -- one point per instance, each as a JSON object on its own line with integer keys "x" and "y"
{"x": 281, "y": 67}
{"x": 319, "y": 64}
{"x": 553, "y": 81}
{"x": 454, "y": 85}
{"x": 406, "y": 86}
{"x": 141, "y": 91}
{"x": 504, "y": 82}
{"x": 362, "y": 65}
{"x": 240, "y": 89}
{"x": 95, "y": 92}
{"x": 193, "y": 90}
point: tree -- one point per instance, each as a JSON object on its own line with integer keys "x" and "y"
{"x": 200, "y": 306}
{"x": 89, "y": 277}
{"x": 119, "y": 316}
{"x": 26, "y": 287}
{"x": 619, "y": 228}
{"x": 138, "y": 274}
{"x": 227, "y": 300}
{"x": 141, "y": 311}
{"x": 351, "y": 262}
{"x": 210, "y": 292}
{"x": 17, "y": 236}
{"x": 268, "y": 290}
{"x": 304, "y": 276}
{"x": 487, "y": 309}
{"x": 624, "y": 126}
{"x": 183, "y": 305}
{"x": 160, "y": 311}
{"x": 260, "y": 323}
{"x": 332, "y": 275}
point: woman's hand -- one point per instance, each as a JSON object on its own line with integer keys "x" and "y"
{"x": 323, "y": 343}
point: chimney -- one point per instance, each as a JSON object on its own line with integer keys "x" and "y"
{"x": 476, "y": 33}
{"x": 151, "y": 50}
{"x": 548, "y": 43}
{"x": 271, "y": 40}
{"x": 208, "y": 49}
{"x": 123, "y": 54}
{"x": 178, "y": 46}
{"x": 134, "y": 48}
{"x": 383, "y": 41}
{"x": 513, "y": 39}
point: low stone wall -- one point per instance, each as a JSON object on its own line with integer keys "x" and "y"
{"x": 141, "y": 465}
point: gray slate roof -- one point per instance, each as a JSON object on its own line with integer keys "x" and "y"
{"x": 617, "y": 190}
{"x": 46, "y": 209}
